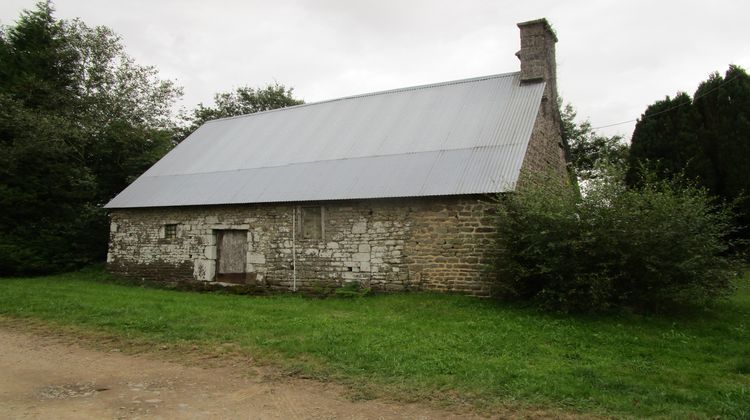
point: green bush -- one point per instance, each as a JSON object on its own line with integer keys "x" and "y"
{"x": 651, "y": 248}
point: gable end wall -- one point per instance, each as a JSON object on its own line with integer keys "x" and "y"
{"x": 545, "y": 154}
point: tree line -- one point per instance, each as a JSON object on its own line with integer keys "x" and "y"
{"x": 79, "y": 121}
{"x": 704, "y": 139}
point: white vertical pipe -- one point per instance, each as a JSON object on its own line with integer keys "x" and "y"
{"x": 294, "y": 248}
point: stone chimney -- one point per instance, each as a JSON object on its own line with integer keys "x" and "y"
{"x": 547, "y": 152}
{"x": 537, "y": 56}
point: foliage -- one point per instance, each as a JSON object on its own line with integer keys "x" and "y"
{"x": 668, "y": 128}
{"x": 79, "y": 120}
{"x": 243, "y": 100}
{"x": 589, "y": 150}
{"x": 451, "y": 349}
{"x": 352, "y": 289}
{"x": 706, "y": 138}
{"x": 651, "y": 248}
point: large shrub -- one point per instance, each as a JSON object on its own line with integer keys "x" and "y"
{"x": 661, "y": 244}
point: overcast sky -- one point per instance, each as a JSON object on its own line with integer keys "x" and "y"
{"x": 614, "y": 57}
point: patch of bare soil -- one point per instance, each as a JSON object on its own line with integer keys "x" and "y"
{"x": 47, "y": 375}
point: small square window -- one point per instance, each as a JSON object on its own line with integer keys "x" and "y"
{"x": 170, "y": 231}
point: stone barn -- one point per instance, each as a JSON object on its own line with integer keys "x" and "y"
{"x": 389, "y": 189}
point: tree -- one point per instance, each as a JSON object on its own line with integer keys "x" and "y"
{"x": 243, "y": 100}
{"x": 37, "y": 67}
{"x": 649, "y": 247}
{"x": 125, "y": 110}
{"x": 665, "y": 141}
{"x": 723, "y": 109}
{"x": 588, "y": 150}
{"x": 706, "y": 138}
{"x": 79, "y": 119}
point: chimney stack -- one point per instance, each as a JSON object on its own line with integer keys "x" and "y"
{"x": 537, "y": 56}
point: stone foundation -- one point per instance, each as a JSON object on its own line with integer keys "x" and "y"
{"x": 435, "y": 244}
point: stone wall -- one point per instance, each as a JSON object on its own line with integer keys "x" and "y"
{"x": 545, "y": 154}
{"x": 437, "y": 244}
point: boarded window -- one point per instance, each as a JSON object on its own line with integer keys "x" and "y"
{"x": 170, "y": 231}
{"x": 311, "y": 222}
{"x": 231, "y": 255}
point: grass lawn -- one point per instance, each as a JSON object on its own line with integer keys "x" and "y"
{"x": 415, "y": 346}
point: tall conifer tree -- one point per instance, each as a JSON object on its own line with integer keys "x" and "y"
{"x": 707, "y": 139}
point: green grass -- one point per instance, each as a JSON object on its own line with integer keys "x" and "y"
{"x": 427, "y": 346}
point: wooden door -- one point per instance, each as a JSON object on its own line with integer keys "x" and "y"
{"x": 231, "y": 256}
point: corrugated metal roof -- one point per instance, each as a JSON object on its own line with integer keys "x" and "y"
{"x": 461, "y": 137}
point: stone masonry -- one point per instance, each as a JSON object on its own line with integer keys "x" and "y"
{"x": 546, "y": 154}
{"x": 436, "y": 244}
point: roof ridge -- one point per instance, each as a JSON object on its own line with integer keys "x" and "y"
{"x": 381, "y": 92}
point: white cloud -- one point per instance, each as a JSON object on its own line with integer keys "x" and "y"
{"x": 614, "y": 57}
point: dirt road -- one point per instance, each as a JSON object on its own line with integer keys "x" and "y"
{"x": 43, "y": 376}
